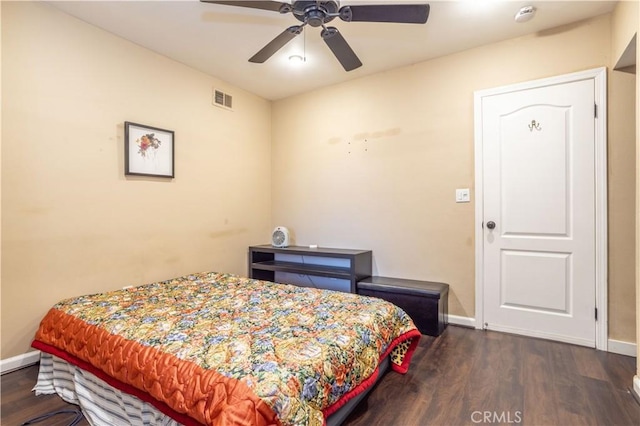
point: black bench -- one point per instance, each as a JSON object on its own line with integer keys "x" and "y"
{"x": 426, "y": 302}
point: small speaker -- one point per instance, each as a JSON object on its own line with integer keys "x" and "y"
{"x": 280, "y": 237}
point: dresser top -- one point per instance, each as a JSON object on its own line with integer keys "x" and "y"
{"x": 320, "y": 251}
{"x": 400, "y": 285}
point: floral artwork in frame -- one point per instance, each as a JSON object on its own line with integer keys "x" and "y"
{"x": 148, "y": 151}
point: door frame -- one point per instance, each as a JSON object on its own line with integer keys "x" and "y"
{"x": 599, "y": 76}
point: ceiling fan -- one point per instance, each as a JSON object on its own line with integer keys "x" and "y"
{"x": 317, "y": 13}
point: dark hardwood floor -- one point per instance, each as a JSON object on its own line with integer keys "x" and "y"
{"x": 467, "y": 377}
{"x": 18, "y": 404}
{"x": 463, "y": 377}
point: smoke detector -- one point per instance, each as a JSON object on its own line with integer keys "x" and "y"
{"x": 525, "y": 14}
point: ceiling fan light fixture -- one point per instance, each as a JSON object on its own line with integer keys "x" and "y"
{"x": 296, "y": 59}
{"x": 525, "y": 14}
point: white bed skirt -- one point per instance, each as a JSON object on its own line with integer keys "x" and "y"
{"x": 104, "y": 405}
{"x": 101, "y": 404}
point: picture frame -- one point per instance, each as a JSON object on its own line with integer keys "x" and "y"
{"x": 148, "y": 151}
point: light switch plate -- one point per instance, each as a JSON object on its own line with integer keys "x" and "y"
{"x": 462, "y": 195}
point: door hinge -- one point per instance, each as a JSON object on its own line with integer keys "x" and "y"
{"x": 596, "y": 309}
{"x": 595, "y": 110}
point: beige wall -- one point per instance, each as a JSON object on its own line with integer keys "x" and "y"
{"x": 72, "y": 223}
{"x": 0, "y": 181}
{"x": 621, "y": 200}
{"x": 624, "y": 24}
{"x": 622, "y": 171}
{"x": 374, "y": 162}
{"x": 636, "y": 379}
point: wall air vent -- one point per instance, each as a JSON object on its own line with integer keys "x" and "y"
{"x": 222, "y": 99}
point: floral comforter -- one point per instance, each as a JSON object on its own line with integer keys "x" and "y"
{"x": 214, "y": 348}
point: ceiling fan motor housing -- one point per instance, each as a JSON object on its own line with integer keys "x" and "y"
{"x": 315, "y": 13}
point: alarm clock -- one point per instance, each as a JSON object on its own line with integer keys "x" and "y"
{"x": 280, "y": 237}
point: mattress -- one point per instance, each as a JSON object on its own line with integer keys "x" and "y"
{"x": 213, "y": 348}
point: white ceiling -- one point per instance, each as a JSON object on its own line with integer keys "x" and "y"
{"x": 219, "y": 40}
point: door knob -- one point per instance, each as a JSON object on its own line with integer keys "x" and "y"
{"x": 491, "y": 224}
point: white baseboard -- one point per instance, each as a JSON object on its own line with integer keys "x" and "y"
{"x": 636, "y": 387}
{"x": 614, "y": 346}
{"x": 19, "y": 361}
{"x": 463, "y": 321}
{"x": 622, "y": 348}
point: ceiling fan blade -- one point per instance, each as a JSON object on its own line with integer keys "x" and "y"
{"x": 276, "y": 44}
{"x": 264, "y": 5}
{"x": 340, "y": 48}
{"x": 399, "y": 13}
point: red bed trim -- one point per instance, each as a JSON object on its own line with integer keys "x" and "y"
{"x": 206, "y": 398}
{"x": 189, "y": 421}
{"x": 50, "y": 339}
{"x": 413, "y": 334}
{"x": 164, "y": 408}
{"x": 371, "y": 380}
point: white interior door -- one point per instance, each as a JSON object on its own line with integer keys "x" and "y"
{"x": 539, "y": 212}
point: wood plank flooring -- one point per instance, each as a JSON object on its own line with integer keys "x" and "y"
{"x": 463, "y": 377}
{"x": 18, "y": 404}
{"x": 467, "y": 377}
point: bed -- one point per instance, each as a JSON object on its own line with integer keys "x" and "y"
{"x": 213, "y": 348}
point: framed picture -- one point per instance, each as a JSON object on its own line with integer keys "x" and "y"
{"x": 148, "y": 151}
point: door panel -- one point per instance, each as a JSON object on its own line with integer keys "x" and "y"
{"x": 535, "y": 202}
{"x": 536, "y": 281}
{"x": 539, "y": 189}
